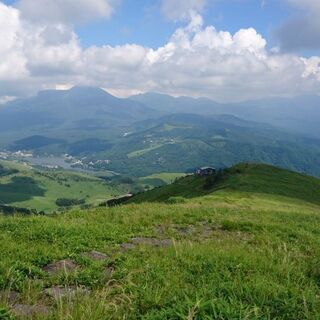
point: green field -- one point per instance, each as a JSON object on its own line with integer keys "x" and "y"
{"x": 139, "y": 153}
{"x": 160, "y": 179}
{"x": 39, "y": 189}
{"x": 248, "y": 248}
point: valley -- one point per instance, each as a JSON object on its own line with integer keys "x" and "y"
{"x": 24, "y": 186}
{"x": 136, "y": 137}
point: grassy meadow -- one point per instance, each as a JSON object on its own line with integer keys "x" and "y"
{"x": 229, "y": 254}
{"x": 27, "y": 187}
{"x": 160, "y": 179}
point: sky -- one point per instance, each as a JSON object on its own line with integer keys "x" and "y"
{"x": 227, "y": 50}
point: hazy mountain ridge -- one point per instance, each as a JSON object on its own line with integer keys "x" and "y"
{"x": 152, "y": 132}
{"x": 185, "y": 141}
{"x": 60, "y": 109}
{"x": 299, "y": 114}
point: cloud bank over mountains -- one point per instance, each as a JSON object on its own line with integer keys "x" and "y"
{"x": 40, "y": 49}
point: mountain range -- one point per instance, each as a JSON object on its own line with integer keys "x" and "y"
{"x": 153, "y": 132}
{"x": 298, "y": 115}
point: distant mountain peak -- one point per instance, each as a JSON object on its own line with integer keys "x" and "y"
{"x": 76, "y": 91}
{"x": 87, "y": 89}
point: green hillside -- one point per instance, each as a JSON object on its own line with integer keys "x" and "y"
{"x": 181, "y": 142}
{"x": 24, "y": 186}
{"x": 246, "y": 248}
{"x": 248, "y": 178}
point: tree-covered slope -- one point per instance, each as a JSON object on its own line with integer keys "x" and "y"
{"x": 297, "y": 114}
{"x": 180, "y": 142}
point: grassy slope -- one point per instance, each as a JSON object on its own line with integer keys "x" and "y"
{"x": 249, "y": 178}
{"x": 39, "y": 189}
{"x": 245, "y": 255}
{"x": 160, "y": 179}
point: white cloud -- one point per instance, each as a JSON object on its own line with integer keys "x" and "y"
{"x": 5, "y": 99}
{"x": 12, "y": 60}
{"x": 65, "y": 11}
{"x": 180, "y": 9}
{"x": 198, "y": 60}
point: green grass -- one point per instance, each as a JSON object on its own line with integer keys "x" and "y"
{"x": 39, "y": 190}
{"x": 249, "y": 178}
{"x": 159, "y": 179}
{"x": 236, "y": 253}
{"x": 139, "y": 153}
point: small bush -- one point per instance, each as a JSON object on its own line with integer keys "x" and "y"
{"x": 209, "y": 183}
{"x": 64, "y": 202}
{"x": 176, "y": 200}
{"x": 212, "y": 180}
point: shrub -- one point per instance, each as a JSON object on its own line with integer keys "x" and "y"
{"x": 64, "y": 202}
{"x": 175, "y": 200}
{"x": 212, "y": 180}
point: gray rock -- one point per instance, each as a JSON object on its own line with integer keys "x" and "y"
{"x": 26, "y": 310}
{"x": 58, "y": 293}
{"x": 96, "y": 255}
{"x": 184, "y": 230}
{"x": 10, "y": 296}
{"x": 62, "y": 266}
{"x": 127, "y": 246}
{"x": 151, "y": 241}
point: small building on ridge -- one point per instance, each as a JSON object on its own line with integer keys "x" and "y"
{"x": 205, "y": 171}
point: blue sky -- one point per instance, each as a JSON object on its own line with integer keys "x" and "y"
{"x": 144, "y": 23}
{"x": 141, "y": 21}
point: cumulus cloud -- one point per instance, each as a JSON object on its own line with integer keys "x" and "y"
{"x": 12, "y": 61}
{"x": 198, "y": 60}
{"x": 180, "y": 9}
{"x": 301, "y": 31}
{"x": 65, "y": 11}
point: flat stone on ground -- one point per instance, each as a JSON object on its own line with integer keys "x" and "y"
{"x": 58, "y": 293}
{"x": 60, "y": 267}
{"x": 127, "y": 246}
{"x": 184, "y": 230}
{"x": 96, "y": 255}
{"x": 26, "y": 310}
{"x": 151, "y": 241}
{"x": 10, "y": 296}
{"x": 207, "y": 231}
